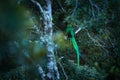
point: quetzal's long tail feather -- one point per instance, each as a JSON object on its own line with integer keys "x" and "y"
{"x": 71, "y": 30}
{"x": 77, "y": 50}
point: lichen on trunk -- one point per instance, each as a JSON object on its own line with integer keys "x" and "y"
{"x": 47, "y": 39}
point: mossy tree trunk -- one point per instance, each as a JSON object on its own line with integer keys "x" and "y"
{"x": 48, "y": 40}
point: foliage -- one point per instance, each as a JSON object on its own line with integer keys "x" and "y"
{"x": 83, "y": 72}
{"x": 98, "y": 40}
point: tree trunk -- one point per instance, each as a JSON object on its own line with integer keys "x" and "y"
{"x": 51, "y": 65}
{"x": 48, "y": 40}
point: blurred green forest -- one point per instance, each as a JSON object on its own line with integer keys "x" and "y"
{"x": 21, "y": 49}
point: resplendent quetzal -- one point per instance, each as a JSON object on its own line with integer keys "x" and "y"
{"x": 70, "y": 33}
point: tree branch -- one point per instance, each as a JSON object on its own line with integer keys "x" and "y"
{"x": 38, "y": 4}
{"x": 79, "y": 29}
{"x": 93, "y": 10}
{"x": 76, "y": 5}
{"x": 62, "y": 68}
{"x": 93, "y": 13}
{"x": 94, "y": 40}
{"x": 41, "y": 72}
{"x": 61, "y": 6}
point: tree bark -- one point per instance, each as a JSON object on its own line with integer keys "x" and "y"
{"x": 48, "y": 40}
{"x": 51, "y": 65}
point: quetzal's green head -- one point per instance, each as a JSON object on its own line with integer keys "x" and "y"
{"x": 70, "y": 31}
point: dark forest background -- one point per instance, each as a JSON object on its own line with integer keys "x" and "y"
{"x": 99, "y": 39}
